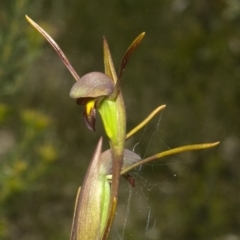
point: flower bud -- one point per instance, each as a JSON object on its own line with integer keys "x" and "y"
{"x": 92, "y": 205}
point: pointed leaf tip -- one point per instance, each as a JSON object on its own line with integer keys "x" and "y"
{"x": 108, "y": 62}
{"x": 128, "y": 54}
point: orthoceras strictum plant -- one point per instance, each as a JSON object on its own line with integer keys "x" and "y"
{"x": 97, "y": 199}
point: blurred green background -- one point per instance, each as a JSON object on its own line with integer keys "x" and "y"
{"x": 189, "y": 60}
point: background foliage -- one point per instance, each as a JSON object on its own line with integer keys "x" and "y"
{"x": 188, "y": 60}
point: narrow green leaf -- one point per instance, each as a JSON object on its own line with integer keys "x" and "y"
{"x": 145, "y": 121}
{"x": 173, "y": 151}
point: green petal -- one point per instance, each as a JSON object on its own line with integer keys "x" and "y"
{"x": 93, "y": 85}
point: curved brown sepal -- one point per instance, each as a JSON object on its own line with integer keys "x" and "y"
{"x": 55, "y": 47}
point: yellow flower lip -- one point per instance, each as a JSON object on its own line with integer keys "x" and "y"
{"x": 89, "y": 114}
{"x": 90, "y": 106}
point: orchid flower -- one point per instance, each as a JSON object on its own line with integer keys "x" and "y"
{"x": 96, "y": 202}
{"x": 102, "y": 91}
{"x": 93, "y": 200}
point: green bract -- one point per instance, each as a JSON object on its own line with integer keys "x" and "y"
{"x": 89, "y": 221}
